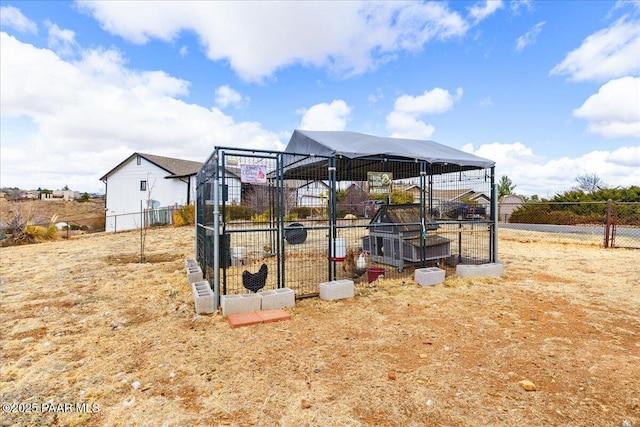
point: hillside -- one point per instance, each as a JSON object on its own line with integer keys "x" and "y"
{"x": 89, "y": 214}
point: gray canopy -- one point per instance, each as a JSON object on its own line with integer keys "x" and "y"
{"x": 355, "y": 154}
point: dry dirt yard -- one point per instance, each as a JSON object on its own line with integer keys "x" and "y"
{"x": 84, "y": 323}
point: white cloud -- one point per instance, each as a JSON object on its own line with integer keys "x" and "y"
{"x": 226, "y": 96}
{"x": 114, "y": 111}
{"x": 62, "y": 42}
{"x": 258, "y": 38}
{"x": 608, "y": 53}
{"x": 430, "y": 102}
{"x": 481, "y": 11}
{"x": 11, "y": 17}
{"x": 408, "y": 126}
{"x": 518, "y": 5}
{"x": 403, "y": 120}
{"x": 529, "y": 37}
{"x": 325, "y": 116}
{"x": 486, "y": 102}
{"x": 532, "y": 174}
{"x": 614, "y": 112}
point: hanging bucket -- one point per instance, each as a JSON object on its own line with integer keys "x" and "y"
{"x": 340, "y": 249}
{"x": 374, "y": 272}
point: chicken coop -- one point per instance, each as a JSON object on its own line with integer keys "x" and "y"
{"x": 295, "y": 218}
{"x": 398, "y": 236}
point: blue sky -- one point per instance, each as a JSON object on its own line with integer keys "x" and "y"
{"x": 549, "y": 90}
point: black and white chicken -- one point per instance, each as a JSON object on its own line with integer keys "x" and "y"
{"x": 255, "y": 281}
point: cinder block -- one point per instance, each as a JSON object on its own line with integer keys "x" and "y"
{"x": 429, "y": 276}
{"x": 337, "y": 289}
{"x": 494, "y": 269}
{"x": 203, "y": 297}
{"x": 278, "y": 298}
{"x": 194, "y": 275}
{"x": 190, "y": 263}
{"x": 232, "y": 304}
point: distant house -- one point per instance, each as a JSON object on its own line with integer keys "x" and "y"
{"x": 507, "y": 204}
{"x": 65, "y": 195}
{"x": 414, "y": 189}
{"x": 146, "y": 181}
{"x": 312, "y": 194}
{"x": 444, "y": 197}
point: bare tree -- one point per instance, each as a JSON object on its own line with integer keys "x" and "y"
{"x": 589, "y": 182}
{"x": 145, "y": 220}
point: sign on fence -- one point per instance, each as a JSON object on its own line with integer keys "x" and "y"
{"x": 379, "y": 182}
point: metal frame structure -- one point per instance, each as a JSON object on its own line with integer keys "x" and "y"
{"x": 302, "y": 266}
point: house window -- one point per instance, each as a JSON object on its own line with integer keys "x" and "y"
{"x": 138, "y": 160}
{"x": 143, "y": 185}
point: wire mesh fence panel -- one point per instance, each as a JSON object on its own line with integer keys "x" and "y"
{"x": 610, "y": 224}
{"x": 298, "y": 220}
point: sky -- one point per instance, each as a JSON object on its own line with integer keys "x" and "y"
{"x": 549, "y": 90}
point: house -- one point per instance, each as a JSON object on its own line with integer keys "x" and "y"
{"x": 444, "y": 198}
{"x": 507, "y": 204}
{"x": 65, "y": 195}
{"x": 312, "y": 194}
{"x": 144, "y": 181}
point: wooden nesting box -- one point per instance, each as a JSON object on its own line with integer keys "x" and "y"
{"x": 398, "y": 236}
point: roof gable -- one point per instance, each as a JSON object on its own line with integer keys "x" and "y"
{"x": 175, "y": 168}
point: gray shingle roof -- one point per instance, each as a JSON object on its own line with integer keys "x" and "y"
{"x": 176, "y": 168}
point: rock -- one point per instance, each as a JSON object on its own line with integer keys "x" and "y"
{"x": 527, "y": 385}
{"x": 423, "y": 355}
{"x": 391, "y": 375}
{"x": 305, "y": 404}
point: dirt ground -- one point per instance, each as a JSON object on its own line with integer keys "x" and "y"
{"x": 90, "y": 337}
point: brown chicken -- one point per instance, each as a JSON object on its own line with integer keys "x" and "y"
{"x": 350, "y": 266}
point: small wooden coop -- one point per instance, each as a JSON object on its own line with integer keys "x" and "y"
{"x": 398, "y": 236}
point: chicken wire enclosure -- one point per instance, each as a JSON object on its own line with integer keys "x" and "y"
{"x": 304, "y": 215}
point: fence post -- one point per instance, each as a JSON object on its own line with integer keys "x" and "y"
{"x": 607, "y": 225}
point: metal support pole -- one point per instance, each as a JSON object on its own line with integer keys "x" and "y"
{"x": 494, "y": 217}
{"x": 216, "y": 233}
{"x": 607, "y": 225}
{"x": 331, "y": 207}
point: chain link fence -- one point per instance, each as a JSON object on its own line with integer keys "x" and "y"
{"x": 609, "y": 224}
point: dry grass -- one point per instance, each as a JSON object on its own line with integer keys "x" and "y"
{"x": 82, "y": 321}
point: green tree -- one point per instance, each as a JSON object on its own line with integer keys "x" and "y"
{"x": 505, "y": 186}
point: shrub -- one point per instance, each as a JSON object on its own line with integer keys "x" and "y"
{"x": 238, "y": 212}
{"x": 184, "y": 216}
{"x": 302, "y": 212}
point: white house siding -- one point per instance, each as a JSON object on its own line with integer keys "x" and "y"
{"x": 310, "y": 195}
{"x": 124, "y": 196}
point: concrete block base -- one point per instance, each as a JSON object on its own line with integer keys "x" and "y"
{"x": 203, "y": 297}
{"x": 429, "y": 276}
{"x": 190, "y": 264}
{"x": 194, "y": 275}
{"x": 337, "y": 289}
{"x": 494, "y": 269}
{"x": 278, "y": 298}
{"x": 232, "y": 304}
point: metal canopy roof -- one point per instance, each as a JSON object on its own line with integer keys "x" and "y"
{"x": 308, "y": 152}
